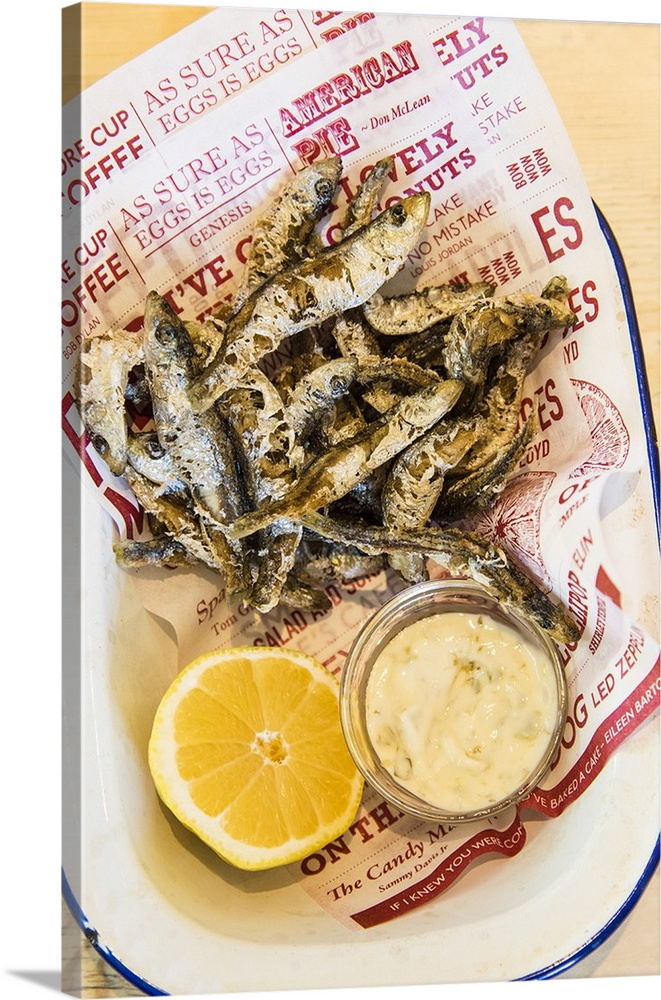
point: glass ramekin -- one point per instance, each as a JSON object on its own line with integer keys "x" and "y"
{"x": 416, "y": 602}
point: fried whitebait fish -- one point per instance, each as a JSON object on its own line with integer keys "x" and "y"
{"x": 269, "y": 459}
{"x": 338, "y": 278}
{"x": 396, "y": 417}
{"x": 106, "y": 362}
{"x": 415, "y": 481}
{"x": 199, "y": 445}
{"x": 183, "y": 524}
{"x": 479, "y": 332}
{"x": 333, "y": 475}
{"x": 281, "y": 234}
{"x": 361, "y": 207}
{"x": 402, "y": 315}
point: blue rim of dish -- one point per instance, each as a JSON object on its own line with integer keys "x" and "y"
{"x": 562, "y": 965}
{"x": 91, "y": 934}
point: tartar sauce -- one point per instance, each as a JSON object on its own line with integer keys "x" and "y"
{"x": 460, "y": 709}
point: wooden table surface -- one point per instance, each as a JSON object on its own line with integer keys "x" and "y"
{"x": 604, "y": 78}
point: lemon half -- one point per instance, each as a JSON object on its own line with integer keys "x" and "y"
{"x": 247, "y": 751}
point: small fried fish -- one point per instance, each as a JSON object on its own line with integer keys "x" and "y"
{"x": 361, "y": 207}
{"x": 280, "y": 235}
{"x": 415, "y": 481}
{"x": 413, "y": 312}
{"x": 338, "y": 278}
{"x": 465, "y": 554}
{"x": 198, "y": 444}
{"x": 333, "y": 475}
{"x": 483, "y": 329}
{"x": 476, "y": 490}
{"x": 106, "y": 361}
{"x": 184, "y": 525}
{"x": 268, "y": 455}
{"x": 163, "y": 551}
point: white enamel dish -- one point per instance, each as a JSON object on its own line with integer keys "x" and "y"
{"x": 173, "y": 919}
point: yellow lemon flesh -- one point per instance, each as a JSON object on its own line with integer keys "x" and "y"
{"x": 247, "y": 751}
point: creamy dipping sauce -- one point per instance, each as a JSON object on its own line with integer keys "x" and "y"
{"x": 460, "y": 709}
